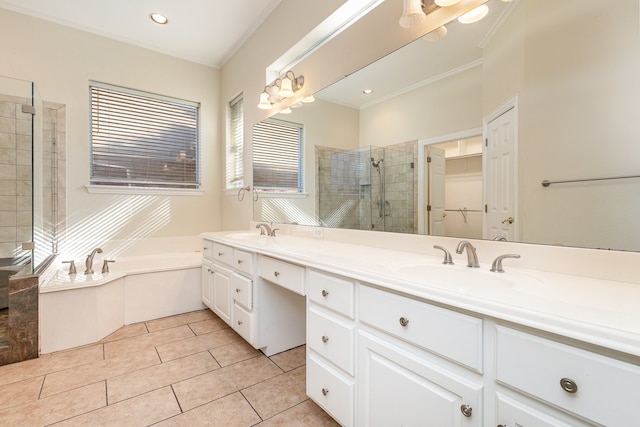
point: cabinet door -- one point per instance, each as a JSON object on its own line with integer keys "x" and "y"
{"x": 221, "y": 298}
{"x": 207, "y": 282}
{"x": 514, "y": 413}
{"x": 398, "y": 388}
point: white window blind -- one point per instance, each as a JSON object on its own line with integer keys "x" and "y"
{"x": 143, "y": 140}
{"x": 234, "y": 169}
{"x": 277, "y": 156}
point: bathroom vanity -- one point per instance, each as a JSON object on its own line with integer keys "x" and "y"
{"x": 394, "y": 337}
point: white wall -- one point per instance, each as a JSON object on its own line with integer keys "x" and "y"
{"x": 61, "y": 61}
{"x": 571, "y": 124}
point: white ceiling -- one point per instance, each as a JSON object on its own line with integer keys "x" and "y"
{"x": 203, "y": 31}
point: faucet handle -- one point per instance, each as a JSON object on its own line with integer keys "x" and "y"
{"x": 105, "y": 265}
{"x": 447, "y": 255}
{"x": 496, "y": 266}
{"x": 72, "y": 267}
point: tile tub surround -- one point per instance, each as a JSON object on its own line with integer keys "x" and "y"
{"x": 22, "y": 321}
{"x": 153, "y": 372}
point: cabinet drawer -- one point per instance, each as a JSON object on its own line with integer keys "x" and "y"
{"x": 283, "y": 274}
{"x": 602, "y": 389}
{"x": 207, "y": 249}
{"x": 222, "y": 253}
{"x": 242, "y": 290}
{"x": 332, "y": 391}
{"x": 332, "y": 338}
{"x": 243, "y": 261}
{"x": 242, "y": 323}
{"x": 450, "y": 334}
{"x": 331, "y": 292}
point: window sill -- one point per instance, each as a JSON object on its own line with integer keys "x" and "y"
{"x": 115, "y": 189}
{"x": 272, "y": 195}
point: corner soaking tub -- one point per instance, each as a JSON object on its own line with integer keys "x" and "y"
{"x": 82, "y": 309}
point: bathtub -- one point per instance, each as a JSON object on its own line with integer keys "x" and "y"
{"x": 82, "y": 309}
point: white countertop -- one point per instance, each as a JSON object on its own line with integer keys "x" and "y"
{"x": 600, "y": 312}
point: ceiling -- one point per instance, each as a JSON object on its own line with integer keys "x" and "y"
{"x": 203, "y": 31}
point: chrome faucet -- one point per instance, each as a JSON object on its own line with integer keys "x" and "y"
{"x": 266, "y": 229}
{"x": 496, "y": 266}
{"x": 89, "y": 262}
{"x": 472, "y": 257}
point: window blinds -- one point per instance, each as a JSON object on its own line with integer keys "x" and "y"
{"x": 234, "y": 168}
{"x": 143, "y": 140}
{"x": 277, "y": 156}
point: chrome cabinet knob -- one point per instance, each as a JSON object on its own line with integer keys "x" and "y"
{"x": 325, "y": 391}
{"x": 276, "y": 273}
{"x": 568, "y": 385}
{"x": 220, "y": 253}
{"x": 325, "y": 338}
{"x": 404, "y": 321}
{"x": 466, "y": 410}
{"x": 239, "y": 322}
{"x": 239, "y": 261}
{"x": 237, "y": 290}
{"x": 502, "y": 425}
{"x": 325, "y": 293}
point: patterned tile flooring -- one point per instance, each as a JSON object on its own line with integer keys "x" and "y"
{"x": 185, "y": 370}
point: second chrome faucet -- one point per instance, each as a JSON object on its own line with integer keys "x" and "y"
{"x": 472, "y": 257}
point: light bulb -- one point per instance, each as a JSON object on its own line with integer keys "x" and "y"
{"x": 437, "y": 34}
{"x": 286, "y": 111}
{"x": 286, "y": 90}
{"x": 474, "y": 15}
{"x": 412, "y": 14}
{"x": 264, "y": 103}
{"x": 308, "y": 99}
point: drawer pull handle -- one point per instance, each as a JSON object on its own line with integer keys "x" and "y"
{"x": 325, "y": 391}
{"x": 220, "y": 253}
{"x": 237, "y": 290}
{"x": 239, "y": 261}
{"x": 466, "y": 410}
{"x": 325, "y": 338}
{"x": 404, "y": 321}
{"x": 276, "y": 273}
{"x": 502, "y": 425}
{"x": 568, "y": 385}
{"x": 325, "y": 293}
{"x": 239, "y": 322}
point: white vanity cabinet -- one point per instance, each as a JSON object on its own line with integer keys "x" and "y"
{"x": 403, "y": 376}
{"x": 596, "y": 388}
{"x": 331, "y": 344}
{"x": 207, "y": 272}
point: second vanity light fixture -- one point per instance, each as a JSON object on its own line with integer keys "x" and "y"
{"x": 280, "y": 89}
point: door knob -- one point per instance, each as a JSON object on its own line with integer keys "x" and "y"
{"x": 508, "y": 220}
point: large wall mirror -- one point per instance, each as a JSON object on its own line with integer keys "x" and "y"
{"x": 460, "y": 133}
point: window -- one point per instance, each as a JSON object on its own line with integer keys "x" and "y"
{"x": 277, "y": 156}
{"x": 235, "y": 135}
{"x": 140, "y": 139}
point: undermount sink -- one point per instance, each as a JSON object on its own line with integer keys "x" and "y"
{"x": 246, "y": 235}
{"x": 459, "y": 276}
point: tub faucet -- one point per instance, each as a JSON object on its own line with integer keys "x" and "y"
{"x": 89, "y": 262}
{"x": 472, "y": 257}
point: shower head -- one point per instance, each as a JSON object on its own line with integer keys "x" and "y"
{"x": 376, "y": 163}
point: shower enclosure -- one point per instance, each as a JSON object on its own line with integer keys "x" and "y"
{"x": 369, "y": 188}
{"x": 28, "y": 192}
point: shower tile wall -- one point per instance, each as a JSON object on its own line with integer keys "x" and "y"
{"x": 54, "y": 174}
{"x": 338, "y": 193}
{"x": 15, "y": 175}
{"x": 401, "y": 187}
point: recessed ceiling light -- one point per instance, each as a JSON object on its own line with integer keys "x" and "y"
{"x": 367, "y": 91}
{"x": 158, "y": 18}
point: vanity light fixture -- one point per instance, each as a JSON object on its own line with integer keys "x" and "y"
{"x": 308, "y": 99}
{"x": 280, "y": 89}
{"x": 412, "y": 14}
{"x": 474, "y": 15}
{"x": 159, "y": 18}
{"x": 286, "y": 111}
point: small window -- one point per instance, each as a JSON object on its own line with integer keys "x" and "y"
{"x": 277, "y": 156}
{"x": 140, "y": 139}
{"x": 235, "y": 135}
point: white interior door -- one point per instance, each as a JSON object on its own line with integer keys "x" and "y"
{"x": 436, "y": 180}
{"x": 500, "y": 177}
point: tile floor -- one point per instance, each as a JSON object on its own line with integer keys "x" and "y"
{"x": 185, "y": 370}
